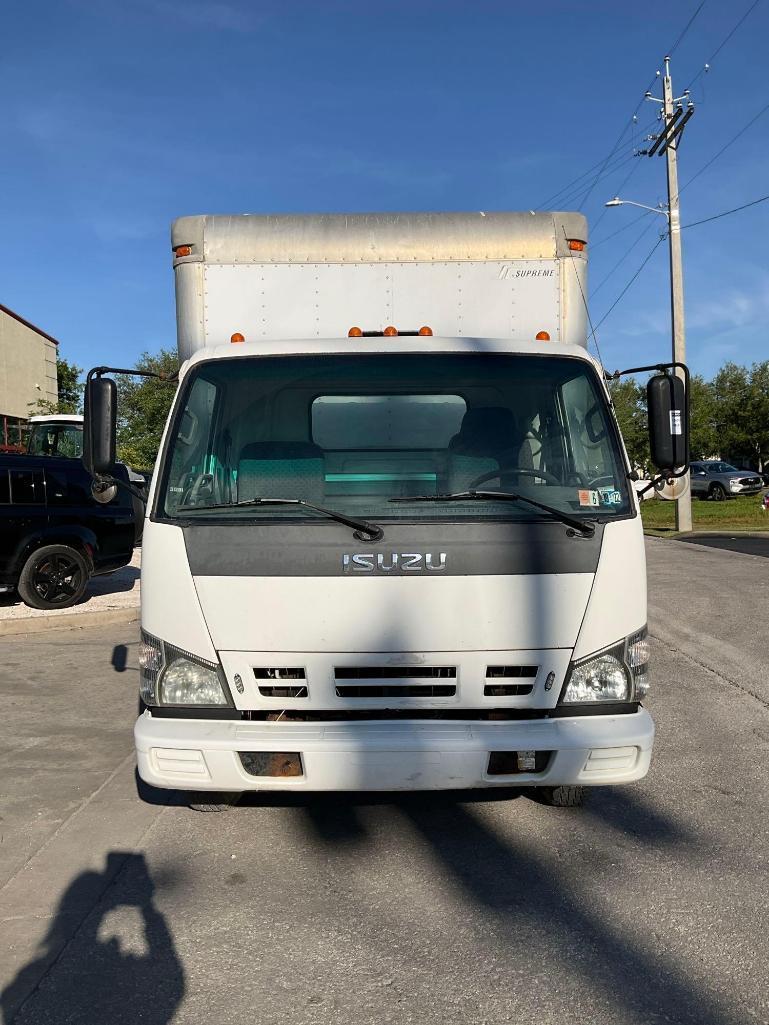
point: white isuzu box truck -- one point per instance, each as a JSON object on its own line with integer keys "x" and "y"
{"x": 391, "y": 542}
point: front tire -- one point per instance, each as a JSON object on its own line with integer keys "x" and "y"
{"x": 562, "y": 797}
{"x": 53, "y": 577}
{"x": 717, "y": 492}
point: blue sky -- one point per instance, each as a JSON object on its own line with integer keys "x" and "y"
{"x": 120, "y": 115}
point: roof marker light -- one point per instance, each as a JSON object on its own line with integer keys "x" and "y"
{"x": 183, "y": 251}
{"x": 237, "y": 338}
{"x": 355, "y": 332}
{"x": 542, "y": 336}
{"x": 390, "y": 332}
{"x": 576, "y": 245}
{"x": 426, "y": 331}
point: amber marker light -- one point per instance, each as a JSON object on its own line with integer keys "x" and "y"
{"x": 390, "y": 332}
{"x": 542, "y": 336}
{"x": 355, "y": 332}
{"x": 237, "y": 338}
{"x": 183, "y": 251}
{"x": 426, "y": 332}
{"x": 576, "y": 245}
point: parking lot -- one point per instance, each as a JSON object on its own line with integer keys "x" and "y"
{"x": 648, "y": 905}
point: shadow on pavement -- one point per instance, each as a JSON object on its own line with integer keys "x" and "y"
{"x": 534, "y": 904}
{"x": 97, "y": 979}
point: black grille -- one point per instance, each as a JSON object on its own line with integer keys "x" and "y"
{"x": 508, "y": 672}
{"x": 278, "y": 673}
{"x": 507, "y": 690}
{"x": 408, "y": 690}
{"x": 283, "y": 692}
{"x": 395, "y": 673}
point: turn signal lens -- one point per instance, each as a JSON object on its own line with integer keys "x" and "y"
{"x": 576, "y": 245}
{"x": 542, "y": 336}
{"x": 183, "y": 250}
{"x": 355, "y": 332}
{"x": 236, "y": 338}
{"x": 390, "y": 332}
{"x": 426, "y": 331}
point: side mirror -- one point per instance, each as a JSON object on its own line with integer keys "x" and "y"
{"x": 100, "y": 427}
{"x": 668, "y": 411}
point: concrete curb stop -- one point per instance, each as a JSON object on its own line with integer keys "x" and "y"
{"x": 43, "y": 624}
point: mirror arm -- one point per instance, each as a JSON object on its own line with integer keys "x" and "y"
{"x": 100, "y": 371}
{"x": 108, "y": 481}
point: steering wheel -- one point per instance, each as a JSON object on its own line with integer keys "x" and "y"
{"x": 550, "y": 478}
{"x": 595, "y": 482}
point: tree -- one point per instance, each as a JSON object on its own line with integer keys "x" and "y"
{"x": 629, "y": 398}
{"x": 143, "y": 405}
{"x": 741, "y": 400}
{"x": 703, "y": 421}
{"x": 70, "y": 391}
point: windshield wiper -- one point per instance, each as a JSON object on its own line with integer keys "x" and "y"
{"x": 582, "y": 527}
{"x": 364, "y": 531}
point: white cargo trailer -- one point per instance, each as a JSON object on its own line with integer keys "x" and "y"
{"x": 391, "y": 542}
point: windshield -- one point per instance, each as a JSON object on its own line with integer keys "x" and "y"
{"x": 51, "y": 439}
{"x": 351, "y": 432}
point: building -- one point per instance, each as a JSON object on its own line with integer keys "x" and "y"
{"x": 27, "y": 373}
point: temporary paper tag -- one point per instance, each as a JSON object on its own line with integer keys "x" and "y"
{"x": 588, "y": 497}
{"x": 675, "y": 421}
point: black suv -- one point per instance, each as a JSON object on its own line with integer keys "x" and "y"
{"x": 56, "y": 531}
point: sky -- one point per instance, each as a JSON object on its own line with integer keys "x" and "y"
{"x": 120, "y": 115}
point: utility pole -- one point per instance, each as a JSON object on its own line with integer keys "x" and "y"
{"x": 672, "y": 136}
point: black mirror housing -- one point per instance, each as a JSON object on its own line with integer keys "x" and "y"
{"x": 668, "y": 409}
{"x": 100, "y": 428}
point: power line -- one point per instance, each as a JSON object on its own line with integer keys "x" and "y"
{"x": 725, "y": 213}
{"x": 627, "y": 286}
{"x": 688, "y": 25}
{"x": 723, "y": 43}
{"x": 594, "y": 245}
{"x": 641, "y": 101}
{"x": 574, "y": 185}
{"x": 615, "y": 165}
{"x": 724, "y": 148}
{"x": 644, "y": 231}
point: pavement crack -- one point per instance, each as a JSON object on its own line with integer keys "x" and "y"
{"x": 715, "y": 672}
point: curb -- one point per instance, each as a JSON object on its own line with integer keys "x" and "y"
{"x": 41, "y": 624}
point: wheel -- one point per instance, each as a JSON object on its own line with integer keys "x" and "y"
{"x": 212, "y": 801}
{"x": 525, "y": 471}
{"x": 717, "y": 492}
{"x": 562, "y": 797}
{"x": 53, "y": 577}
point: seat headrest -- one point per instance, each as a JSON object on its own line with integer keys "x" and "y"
{"x": 486, "y": 428}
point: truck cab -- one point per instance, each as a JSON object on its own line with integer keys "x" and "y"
{"x": 402, "y": 551}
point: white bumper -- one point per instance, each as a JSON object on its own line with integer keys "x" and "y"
{"x": 188, "y": 754}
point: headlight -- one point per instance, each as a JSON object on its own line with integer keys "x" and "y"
{"x": 602, "y": 677}
{"x": 170, "y": 676}
{"x": 620, "y": 673}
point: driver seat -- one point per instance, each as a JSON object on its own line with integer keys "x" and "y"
{"x": 488, "y": 439}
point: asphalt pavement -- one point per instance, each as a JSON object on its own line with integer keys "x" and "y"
{"x": 648, "y": 905}
{"x": 746, "y": 544}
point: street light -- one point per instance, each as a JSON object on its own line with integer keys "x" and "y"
{"x": 659, "y": 209}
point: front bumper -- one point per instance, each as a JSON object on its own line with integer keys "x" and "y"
{"x": 195, "y": 754}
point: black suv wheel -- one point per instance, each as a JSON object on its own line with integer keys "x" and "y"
{"x": 54, "y": 577}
